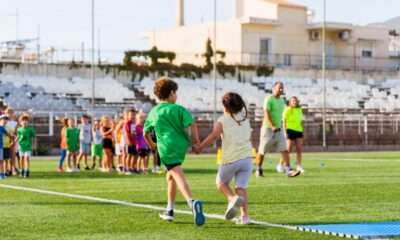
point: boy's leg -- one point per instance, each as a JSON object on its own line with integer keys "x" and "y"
{"x": 177, "y": 174}
{"x": 79, "y": 158}
{"x": 168, "y": 214}
{"x": 196, "y": 205}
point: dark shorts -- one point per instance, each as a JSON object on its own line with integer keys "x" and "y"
{"x": 131, "y": 150}
{"x": 6, "y": 153}
{"x": 171, "y": 166}
{"x": 293, "y": 135}
{"x": 107, "y": 144}
{"x": 143, "y": 152}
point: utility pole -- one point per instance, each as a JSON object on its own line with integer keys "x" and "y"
{"x": 324, "y": 78}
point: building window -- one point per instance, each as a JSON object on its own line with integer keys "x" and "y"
{"x": 366, "y": 53}
{"x": 367, "y": 48}
{"x": 287, "y": 59}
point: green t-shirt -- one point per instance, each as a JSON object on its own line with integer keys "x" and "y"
{"x": 72, "y": 136}
{"x": 293, "y": 118}
{"x": 169, "y": 121}
{"x": 275, "y": 107}
{"x": 25, "y": 138}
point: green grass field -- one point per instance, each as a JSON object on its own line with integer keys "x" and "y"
{"x": 350, "y": 187}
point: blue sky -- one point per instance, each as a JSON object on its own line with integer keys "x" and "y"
{"x": 66, "y": 23}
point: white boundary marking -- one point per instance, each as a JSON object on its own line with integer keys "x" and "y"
{"x": 131, "y": 204}
{"x": 355, "y": 159}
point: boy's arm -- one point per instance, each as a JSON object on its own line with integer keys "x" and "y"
{"x": 214, "y": 136}
{"x": 149, "y": 140}
{"x": 195, "y": 133}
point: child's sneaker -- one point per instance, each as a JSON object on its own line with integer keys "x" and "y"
{"x": 243, "y": 221}
{"x": 259, "y": 173}
{"x": 301, "y": 170}
{"x": 167, "y": 215}
{"x": 280, "y": 168}
{"x": 293, "y": 173}
{"x": 233, "y": 207}
{"x": 2, "y": 176}
{"x": 26, "y": 174}
{"x": 128, "y": 173}
{"x": 70, "y": 170}
{"x": 60, "y": 169}
{"x": 198, "y": 215}
{"x": 87, "y": 168}
{"x": 22, "y": 173}
{"x": 76, "y": 169}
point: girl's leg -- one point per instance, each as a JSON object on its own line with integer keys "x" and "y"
{"x": 62, "y": 157}
{"x": 226, "y": 190}
{"x": 242, "y": 192}
{"x": 299, "y": 150}
{"x": 105, "y": 159}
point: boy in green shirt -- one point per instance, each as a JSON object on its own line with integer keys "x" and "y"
{"x": 25, "y": 139}
{"x": 72, "y": 138}
{"x": 169, "y": 121}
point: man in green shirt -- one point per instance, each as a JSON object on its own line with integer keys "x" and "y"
{"x": 25, "y": 139}
{"x": 272, "y": 137}
{"x": 169, "y": 122}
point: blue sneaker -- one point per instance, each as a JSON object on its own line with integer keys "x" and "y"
{"x": 2, "y": 176}
{"x": 198, "y": 215}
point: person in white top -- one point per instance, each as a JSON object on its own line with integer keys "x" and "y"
{"x": 85, "y": 139}
{"x": 13, "y": 125}
{"x": 236, "y": 159}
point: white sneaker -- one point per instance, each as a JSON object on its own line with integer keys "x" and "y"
{"x": 127, "y": 173}
{"x": 301, "y": 170}
{"x": 70, "y": 170}
{"x": 233, "y": 207}
{"x": 243, "y": 221}
{"x": 280, "y": 168}
{"x": 75, "y": 170}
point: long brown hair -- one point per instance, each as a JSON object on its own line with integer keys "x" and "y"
{"x": 234, "y": 103}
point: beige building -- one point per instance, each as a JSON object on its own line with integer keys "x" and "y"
{"x": 278, "y": 33}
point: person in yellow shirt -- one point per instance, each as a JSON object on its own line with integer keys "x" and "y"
{"x": 292, "y": 120}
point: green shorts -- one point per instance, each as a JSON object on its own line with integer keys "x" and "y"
{"x": 97, "y": 150}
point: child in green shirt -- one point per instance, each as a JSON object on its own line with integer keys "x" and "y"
{"x": 169, "y": 122}
{"x": 72, "y": 138}
{"x": 25, "y": 139}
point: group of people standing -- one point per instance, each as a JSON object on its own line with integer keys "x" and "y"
{"x": 103, "y": 140}
{"x": 16, "y": 140}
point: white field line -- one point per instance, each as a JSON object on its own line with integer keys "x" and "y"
{"x": 138, "y": 205}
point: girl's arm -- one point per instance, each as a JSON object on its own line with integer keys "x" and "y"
{"x": 149, "y": 140}
{"x": 214, "y": 136}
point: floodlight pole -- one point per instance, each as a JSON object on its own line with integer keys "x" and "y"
{"x": 92, "y": 70}
{"x": 215, "y": 64}
{"x": 324, "y": 78}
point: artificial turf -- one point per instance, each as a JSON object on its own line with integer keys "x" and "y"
{"x": 336, "y": 188}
